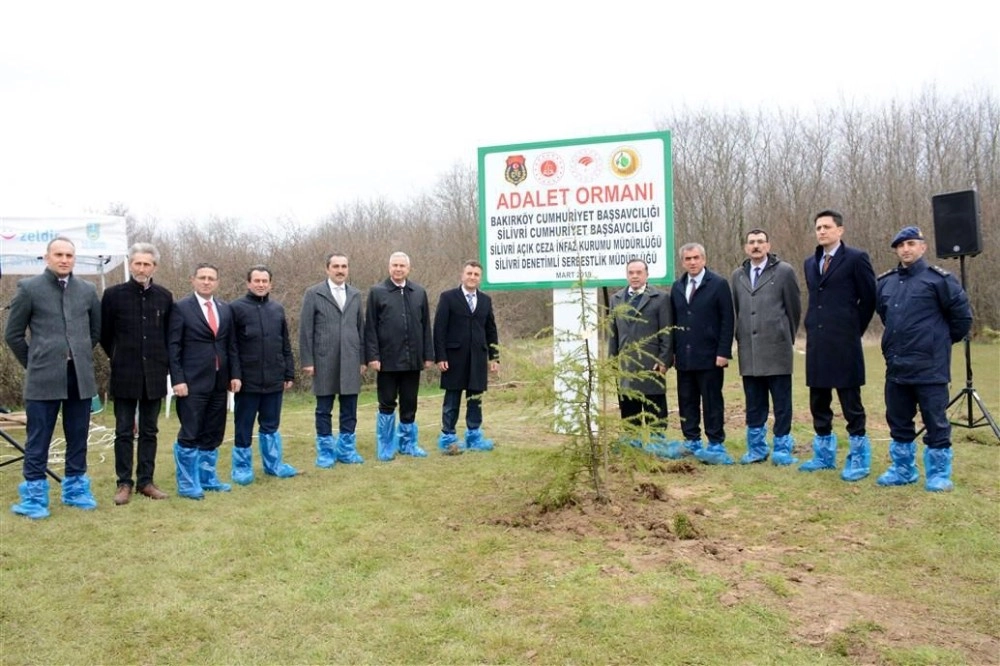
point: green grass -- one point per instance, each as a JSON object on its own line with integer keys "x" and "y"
{"x": 443, "y": 560}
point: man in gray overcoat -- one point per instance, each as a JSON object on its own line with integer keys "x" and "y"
{"x": 63, "y": 315}
{"x": 331, "y": 337}
{"x": 641, "y": 321}
{"x": 768, "y": 308}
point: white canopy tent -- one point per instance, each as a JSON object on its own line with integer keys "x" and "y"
{"x": 101, "y": 241}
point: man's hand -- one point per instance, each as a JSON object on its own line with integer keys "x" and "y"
{"x": 181, "y": 390}
{"x": 308, "y": 370}
{"x": 721, "y": 361}
{"x": 375, "y": 365}
{"x": 443, "y": 366}
{"x": 235, "y": 385}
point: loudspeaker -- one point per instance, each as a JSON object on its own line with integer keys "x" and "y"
{"x": 956, "y": 224}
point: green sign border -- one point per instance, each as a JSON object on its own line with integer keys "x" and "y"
{"x": 668, "y": 188}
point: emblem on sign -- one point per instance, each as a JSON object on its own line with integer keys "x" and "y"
{"x": 549, "y": 168}
{"x": 624, "y": 162}
{"x": 515, "y": 173}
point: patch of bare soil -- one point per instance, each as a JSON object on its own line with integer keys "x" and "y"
{"x": 827, "y": 612}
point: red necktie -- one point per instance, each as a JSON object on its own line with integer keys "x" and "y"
{"x": 212, "y": 323}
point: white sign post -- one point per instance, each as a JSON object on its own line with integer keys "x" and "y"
{"x": 563, "y": 214}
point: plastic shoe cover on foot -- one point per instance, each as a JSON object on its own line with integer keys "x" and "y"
{"x": 756, "y": 446}
{"x": 783, "y": 447}
{"x": 408, "y": 441}
{"x": 714, "y": 454}
{"x": 242, "y": 465}
{"x": 474, "y": 440}
{"x": 386, "y": 437}
{"x": 858, "y": 464}
{"x": 824, "y": 454}
{"x": 326, "y": 451}
{"x": 34, "y": 499}
{"x": 347, "y": 450}
{"x": 903, "y": 470}
{"x": 271, "y": 451}
{"x": 657, "y": 445}
{"x": 625, "y": 442}
{"x": 76, "y": 492}
{"x": 448, "y": 444}
{"x": 678, "y": 450}
{"x": 207, "y": 462}
{"x": 188, "y": 480}
{"x": 937, "y": 467}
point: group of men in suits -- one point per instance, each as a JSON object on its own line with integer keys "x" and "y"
{"x": 693, "y": 329}
{"x": 203, "y": 347}
{"x": 394, "y": 336}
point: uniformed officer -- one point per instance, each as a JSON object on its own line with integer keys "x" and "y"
{"x": 925, "y": 312}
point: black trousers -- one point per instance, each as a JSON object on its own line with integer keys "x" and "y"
{"x": 203, "y": 420}
{"x": 654, "y": 410}
{"x": 697, "y": 391}
{"x": 901, "y": 401}
{"x": 820, "y": 401}
{"x": 148, "y": 412}
{"x": 451, "y": 406}
{"x": 403, "y": 386}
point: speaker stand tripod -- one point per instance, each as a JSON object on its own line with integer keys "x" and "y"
{"x": 969, "y": 392}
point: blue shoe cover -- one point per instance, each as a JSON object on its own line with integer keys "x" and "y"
{"x": 824, "y": 454}
{"x": 903, "y": 470}
{"x": 242, "y": 465}
{"x": 34, "y": 499}
{"x": 76, "y": 492}
{"x": 347, "y": 449}
{"x": 326, "y": 451}
{"x": 676, "y": 450}
{"x": 783, "y": 447}
{"x": 714, "y": 454}
{"x": 188, "y": 480}
{"x": 386, "y": 437}
{"x": 937, "y": 467}
{"x": 756, "y": 446}
{"x": 408, "y": 442}
{"x": 657, "y": 445}
{"x": 474, "y": 440}
{"x": 448, "y": 444}
{"x": 207, "y": 462}
{"x": 271, "y": 452}
{"x": 858, "y": 464}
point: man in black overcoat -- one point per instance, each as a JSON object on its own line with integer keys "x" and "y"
{"x": 135, "y": 317}
{"x": 466, "y": 349}
{"x": 841, "y": 283}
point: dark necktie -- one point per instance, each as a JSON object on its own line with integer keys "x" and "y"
{"x": 827, "y": 258}
{"x": 756, "y": 276}
{"x": 692, "y": 287}
{"x": 62, "y": 283}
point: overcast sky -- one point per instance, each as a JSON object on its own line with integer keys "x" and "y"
{"x": 287, "y": 110}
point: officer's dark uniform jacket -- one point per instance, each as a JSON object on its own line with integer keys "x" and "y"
{"x": 398, "y": 327}
{"x": 262, "y": 341}
{"x": 925, "y": 311}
